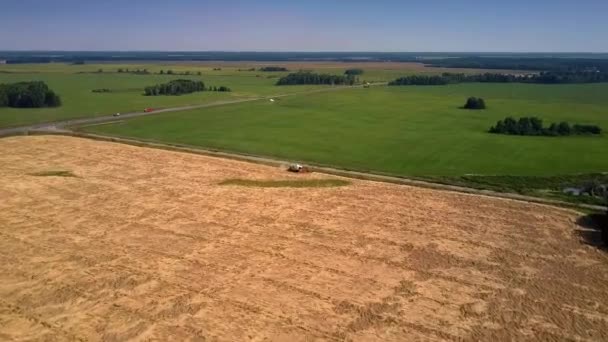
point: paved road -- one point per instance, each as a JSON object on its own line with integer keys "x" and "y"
{"x": 64, "y": 126}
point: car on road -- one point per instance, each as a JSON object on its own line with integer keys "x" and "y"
{"x": 116, "y": 114}
{"x": 148, "y": 110}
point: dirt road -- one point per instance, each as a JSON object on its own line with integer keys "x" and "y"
{"x": 144, "y": 244}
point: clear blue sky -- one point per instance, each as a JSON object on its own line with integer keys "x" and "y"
{"x": 306, "y": 25}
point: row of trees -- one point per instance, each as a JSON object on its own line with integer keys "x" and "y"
{"x": 353, "y": 72}
{"x": 28, "y": 95}
{"x": 146, "y": 72}
{"x": 186, "y": 73}
{"x": 134, "y": 71}
{"x": 534, "y": 126}
{"x": 475, "y": 103}
{"x": 312, "y": 78}
{"x": 551, "y": 77}
{"x": 419, "y": 80}
{"x": 273, "y": 69}
{"x": 179, "y": 87}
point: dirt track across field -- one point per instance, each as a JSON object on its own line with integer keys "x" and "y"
{"x": 144, "y": 244}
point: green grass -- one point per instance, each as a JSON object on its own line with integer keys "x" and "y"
{"x": 75, "y": 83}
{"x": 304, "y": 183}
{"x": 75, "y": 89}
{"x": 54, "y": 173}
{"x": 539, "y": 186}
{"x": 417, "y": 132}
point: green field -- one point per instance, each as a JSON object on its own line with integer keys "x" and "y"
{"x": 74, "y": 83}
{"x": 408, "y": 131}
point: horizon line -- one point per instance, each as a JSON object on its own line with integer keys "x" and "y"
{"x": 315, "y": 51}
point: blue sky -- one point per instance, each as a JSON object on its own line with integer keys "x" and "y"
{"x": 311, "y": 25}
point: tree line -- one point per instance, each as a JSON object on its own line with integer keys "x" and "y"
{"x": 524, "y": 63}
{"x": 28, "y": 95}
{"x": 534, "y": 126}
{"x": 186, "y": 73}
{"x": 146, "y": 72}
{"x": 549, "y": 77}
{"x": 273, "y": 69}
{"x": 179, "y": 87}
{"x": 312, "y": 78}
{"x": 419, "y": 80}
{"x": 353, "y": 72}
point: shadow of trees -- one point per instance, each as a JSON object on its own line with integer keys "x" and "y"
{"x": 593, "y": 230}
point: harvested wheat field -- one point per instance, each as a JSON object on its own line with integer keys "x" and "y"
{"x": 104, "y": 241}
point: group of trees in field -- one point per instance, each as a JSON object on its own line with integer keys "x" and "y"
{"x": 312, "y": 78}
{"x": 534, "y": 126}
{"x": 179, "y": 87}
{"x": 273, "y": 69}
{"x": 353, "y": 72}
{"x": 549, "y": 77}
{"x": 475, "y": 103}
{"x": 28, "y": 95}
{"x": 175, "y": 87}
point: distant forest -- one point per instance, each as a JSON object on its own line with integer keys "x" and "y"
{"x": 554, "y": 62}
{"x": 508, "y": 61}
{"x": 525, "y": 63}
{"x": 549, "y": 77}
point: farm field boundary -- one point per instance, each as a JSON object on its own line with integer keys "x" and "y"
{"x": 324, "y": 169}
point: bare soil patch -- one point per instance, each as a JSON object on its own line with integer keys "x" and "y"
{"x": 146, "y": 244}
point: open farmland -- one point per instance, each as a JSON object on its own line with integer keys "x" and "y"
{"x": 126, "y": 94}
{"x": 74, "y": 83}
{"x": 103, "y": 241}
{"x": 404, "y": 131}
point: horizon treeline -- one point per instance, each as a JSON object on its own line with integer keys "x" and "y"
{"x": 542, "y": 78}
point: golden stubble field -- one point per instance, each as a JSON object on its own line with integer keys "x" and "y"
{"x": 144, "y": 244}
